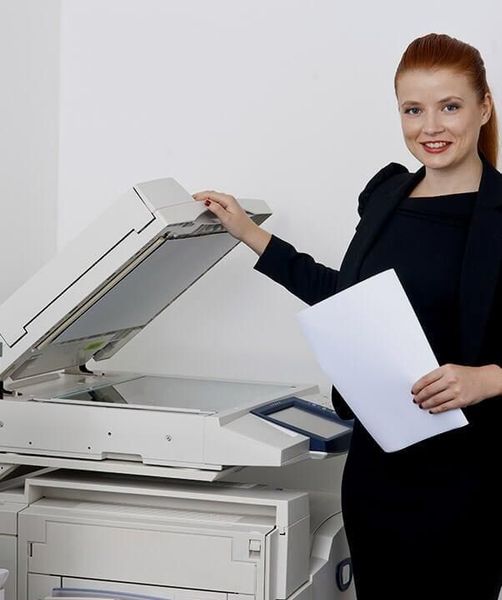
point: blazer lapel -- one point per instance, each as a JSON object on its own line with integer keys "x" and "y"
{"x": 384, "y": 200}
{"x": 481, "y": 264}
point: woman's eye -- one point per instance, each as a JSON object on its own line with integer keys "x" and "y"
{"x": 414, "y": 110}
{"x": 451, "y": 107}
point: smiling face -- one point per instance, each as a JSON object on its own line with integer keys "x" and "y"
{"x": 441, "y": 116}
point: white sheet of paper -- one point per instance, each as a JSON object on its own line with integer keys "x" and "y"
{"x": 369, "y": 342}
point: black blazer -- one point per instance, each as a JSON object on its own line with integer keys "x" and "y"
{"x": 313, "y": 282}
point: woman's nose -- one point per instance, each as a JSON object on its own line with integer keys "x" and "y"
{"x": 432, "y": 124}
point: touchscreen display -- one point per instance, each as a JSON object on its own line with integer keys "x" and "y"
{"x": 308, "y": 421}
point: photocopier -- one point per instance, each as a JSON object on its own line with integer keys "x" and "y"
{"x": 148, "y": 486}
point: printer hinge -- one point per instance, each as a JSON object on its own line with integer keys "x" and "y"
{"x": 5, "y": 392}
{"x": 78, "y": 370}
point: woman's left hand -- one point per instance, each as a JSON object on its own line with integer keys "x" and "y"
{"x": 456, "y": 386}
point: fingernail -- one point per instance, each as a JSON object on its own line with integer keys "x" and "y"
{"x": 414, "y": 400}
{"x": 431, "y": 412}
{"x": 207, "y": 202}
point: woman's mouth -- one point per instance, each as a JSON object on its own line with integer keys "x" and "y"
{"x": 435, "y": 147}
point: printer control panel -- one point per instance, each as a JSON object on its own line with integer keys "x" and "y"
{"x": 326, "y": 431}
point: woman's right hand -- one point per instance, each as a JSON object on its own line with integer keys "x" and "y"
{"x": 235, "y": 220}
{"x": 228, "y": 211}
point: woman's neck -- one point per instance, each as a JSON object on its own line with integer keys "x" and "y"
{"x": 464, "y": 177}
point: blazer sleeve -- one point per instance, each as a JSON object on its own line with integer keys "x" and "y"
{"x": 299, "y": 273}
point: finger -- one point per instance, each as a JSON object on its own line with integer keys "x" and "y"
{"x": 202, "y": 195}
{"x": 444, "y": 407}
{"x": 438, "y": 399}
{"x": 431, "y": 390}
{"x": 427, "y": 380}
{"x": 217, "y": 210}
{"x": 223, "y": 199}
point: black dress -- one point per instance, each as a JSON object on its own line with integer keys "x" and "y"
{"x": 421, "y": 522}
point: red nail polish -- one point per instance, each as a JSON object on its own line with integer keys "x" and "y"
{"x": 207, "y": 202}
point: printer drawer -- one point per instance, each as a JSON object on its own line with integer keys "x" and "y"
{"x": 229, "y": 558}
{"x": 41, "y": 586}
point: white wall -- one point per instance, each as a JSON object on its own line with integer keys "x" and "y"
{"x": 286, "y": 100}
{"x": 29, "y": 116}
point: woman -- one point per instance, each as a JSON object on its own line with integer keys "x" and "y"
{"x": 422, "y": 522}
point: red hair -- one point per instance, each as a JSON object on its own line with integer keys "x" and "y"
{"x": 438, "y": 51}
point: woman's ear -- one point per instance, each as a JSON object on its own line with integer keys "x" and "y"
{"x": 486, "y": 108}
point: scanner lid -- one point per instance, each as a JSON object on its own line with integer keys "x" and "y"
{"x": 107, "y": 284}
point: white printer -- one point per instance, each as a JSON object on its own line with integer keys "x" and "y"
{"x": 126, "y": 485}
